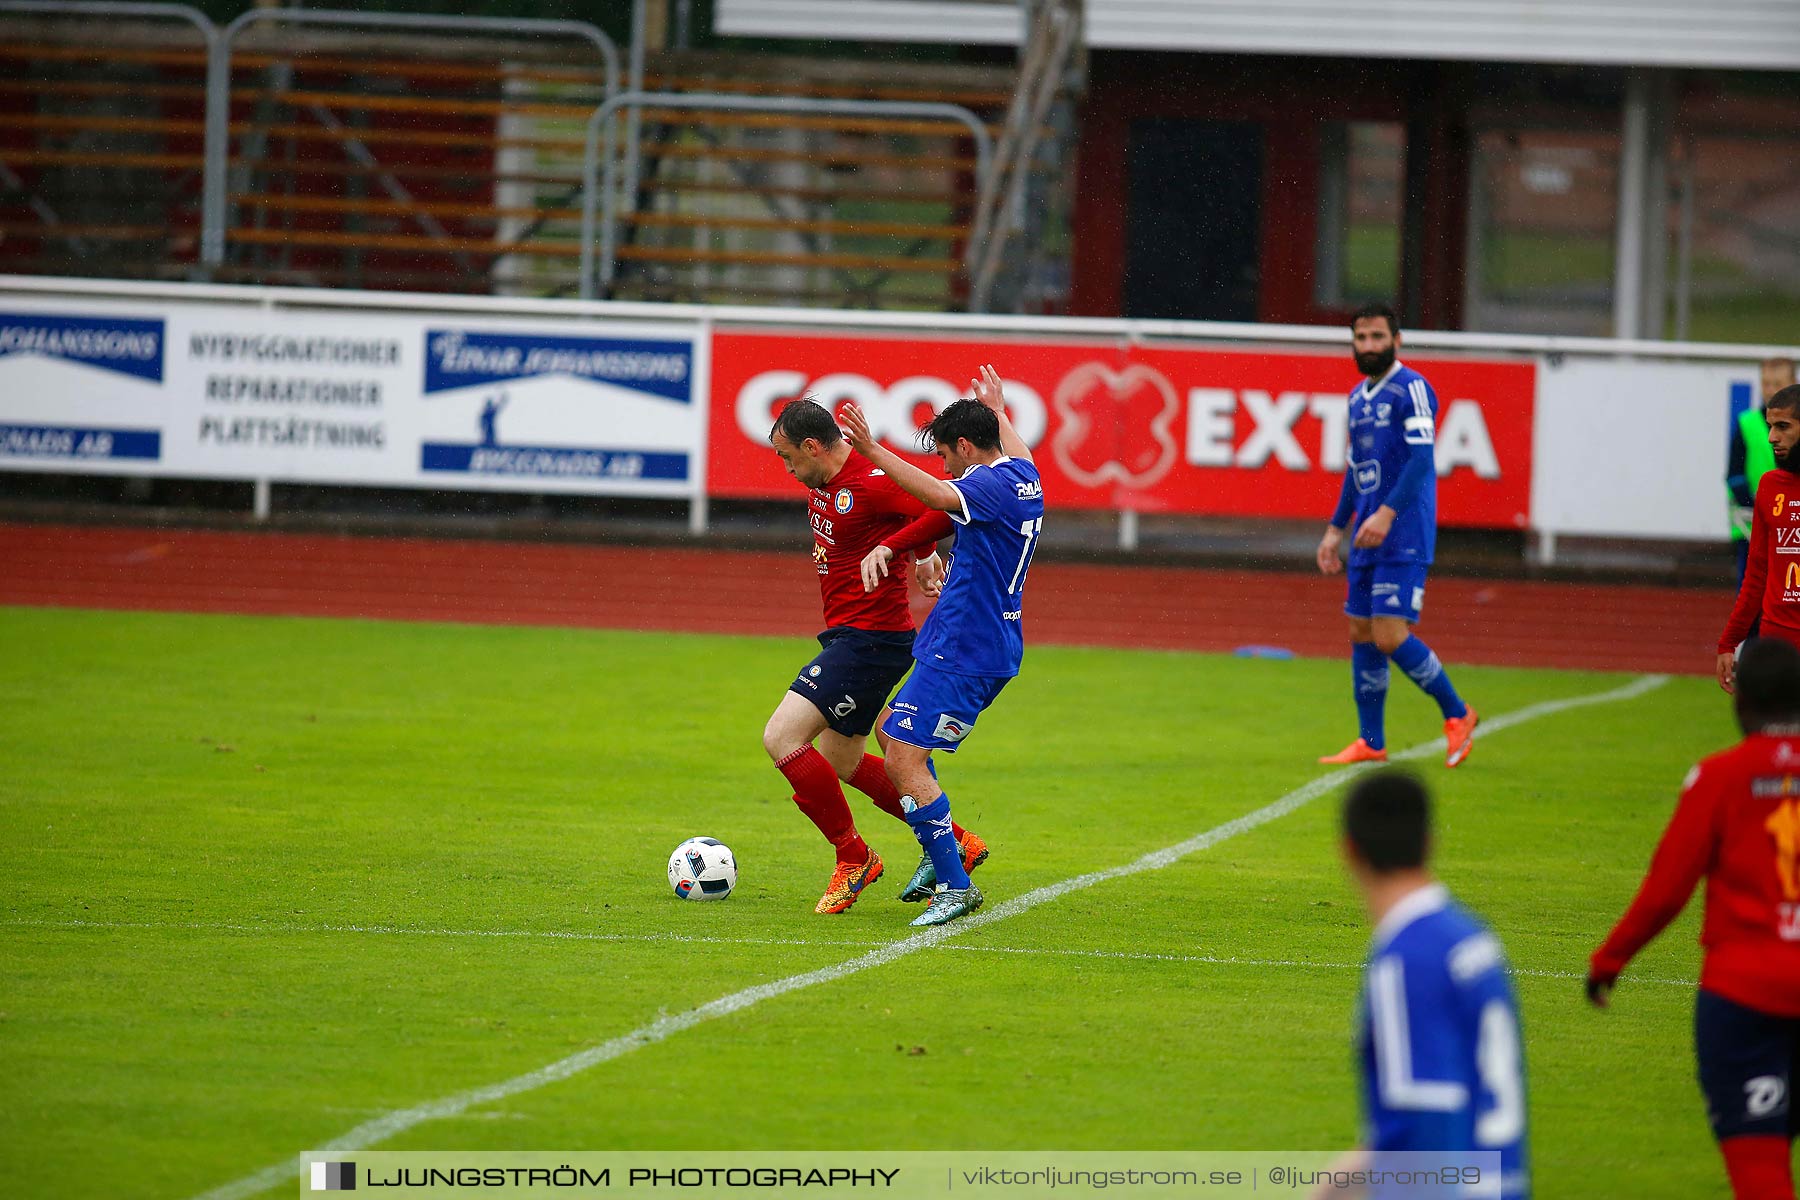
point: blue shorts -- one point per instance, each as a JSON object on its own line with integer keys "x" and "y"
{"x": 850, "y": 679}
{"x": 1387, "y": 590}
{"x": 1748, "y": 1062}
{"x": 936, "y": 709}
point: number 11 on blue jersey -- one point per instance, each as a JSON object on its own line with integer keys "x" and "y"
{"x": 1030, "y": 530}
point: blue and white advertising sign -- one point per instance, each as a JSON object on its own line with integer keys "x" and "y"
{"x": 116, "y": 363}
{"x": 535, "y": 407}
{"x": 243, "y": 391}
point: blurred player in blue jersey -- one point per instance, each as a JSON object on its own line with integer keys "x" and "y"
{"x": 1438, "y": 1027}
{"x": 971, "y": 644}
{"x": 1389, "y": 498}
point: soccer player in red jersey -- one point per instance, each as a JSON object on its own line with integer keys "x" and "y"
{"x": 1771, "y": 587}
{"x": 857, "y": 514}
{"x": 1738, "y": 824}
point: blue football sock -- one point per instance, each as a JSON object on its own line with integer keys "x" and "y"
{"x": 931, "y": 825}
{"x": 1369, "y": 675}
{"x": 1423, "y": 668}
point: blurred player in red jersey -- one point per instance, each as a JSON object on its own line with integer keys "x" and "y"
{"x": 1771, "y": 587}
{"x": 1738, "y": 824}
{"x": 857, "y": 514}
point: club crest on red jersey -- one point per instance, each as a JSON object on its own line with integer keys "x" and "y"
{"x": 843, "y": 501}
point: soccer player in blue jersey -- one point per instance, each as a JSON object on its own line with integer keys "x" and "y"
{"x": 1438, "y": 1026}
{"x": 971, "y": 644}
{"x": 1390, "y": 498}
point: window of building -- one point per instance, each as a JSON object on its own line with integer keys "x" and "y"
{"x": 1543, "y": 206}
{"x": 1361, "y": 177}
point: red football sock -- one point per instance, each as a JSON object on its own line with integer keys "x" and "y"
{"x": 871, "y": 779}
{"x": 817, "y": 792}
{"x": 1759, "y": 1167}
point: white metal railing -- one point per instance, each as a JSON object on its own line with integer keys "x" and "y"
{"x": 1129, "y": 329}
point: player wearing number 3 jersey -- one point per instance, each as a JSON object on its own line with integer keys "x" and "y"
{"x": 1770, "y": 591}
{"x": 971, "y": 645}
{"x": 1737, "y": 825}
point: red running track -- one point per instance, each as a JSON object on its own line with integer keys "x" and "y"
{"x": 1508, "y": 623}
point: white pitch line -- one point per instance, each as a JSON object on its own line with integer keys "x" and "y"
{"x": 388, "y": 1125}
{"x": 1232, "y": 960}
{"x": 685, "y": 938}
{"x": 571, "y": 935}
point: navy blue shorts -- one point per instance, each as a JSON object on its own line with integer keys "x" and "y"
{"x": 855, "y": 671}
{"x": 1748, "y": 1062}
{"x": 1386, "y": 590}
{"x": 936, "y": 709}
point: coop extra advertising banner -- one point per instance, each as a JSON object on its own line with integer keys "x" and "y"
{"x": 1148, "y": 427}
{"x": 242, "y": 392}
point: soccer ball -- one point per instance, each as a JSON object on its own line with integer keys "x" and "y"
{"x": 702, "y": 869}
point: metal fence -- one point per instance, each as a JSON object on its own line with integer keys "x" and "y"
{"x": 269, "y": 212}
{"x": 215, "y": 222}
{"x": 599, "y": 151}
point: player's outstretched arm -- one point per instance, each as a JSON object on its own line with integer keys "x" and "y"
{"x": 987, "y": 390}
{"x": 927, "y": 489}
{"x": 1682, "y": 858}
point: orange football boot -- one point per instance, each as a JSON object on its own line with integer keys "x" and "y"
{"x": 848, "y": 882}
{"x": 1459, "y": 737}
{"x": 1358, "y": 751}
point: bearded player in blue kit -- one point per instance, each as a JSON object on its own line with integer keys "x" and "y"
{"x": 971, "y": 645}
{"x": 1389, "y": 498}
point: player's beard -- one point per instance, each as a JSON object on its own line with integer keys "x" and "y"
{"x": 1375, "y": 363}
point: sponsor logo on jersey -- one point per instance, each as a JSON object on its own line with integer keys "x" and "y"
{"x": 1784, "y": 825}
{"x": 843, "y": 500}
{"x": 951, "y": 729}
{"x": 906, "y": 723}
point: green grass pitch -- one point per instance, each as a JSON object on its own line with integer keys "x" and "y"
{"x": 268, "y": 879}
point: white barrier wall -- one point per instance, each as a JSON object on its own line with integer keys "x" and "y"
{"x": 1634, "y": 448}
{"x": 1620, "y": 439}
